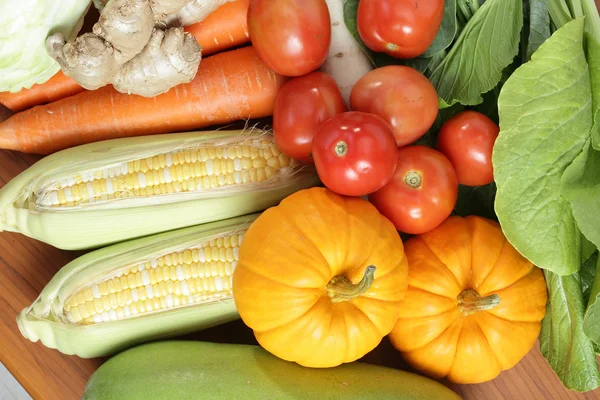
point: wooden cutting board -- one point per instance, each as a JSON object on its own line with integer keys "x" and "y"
{"x": 27, "y": 265}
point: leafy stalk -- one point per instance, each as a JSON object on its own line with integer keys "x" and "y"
{"x": 559, "y": 12}
{"x": 563, "y": 11}
{"x": 474, "y": 5}
{"x": 465, "y": 10}
{"x": 592, "y": 18}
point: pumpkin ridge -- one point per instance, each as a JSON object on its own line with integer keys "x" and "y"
{"x": 365, "y": 261}
{"x": 295, "y": 319}
{"x": 518, "y": 280}
{"x": 270, "y": 278}
{"x": 396, "y": 266}
{"x": 441, "y": 262}
{"x": 476, "y": 322}
{"x": 431, "y": 293}
{"x": 349, "y": 303}
{"x": 440, "y": 334}
{"x": 309, "y": 239}
{"x": 493, "y": 266}
{"x": 503, "y": 320}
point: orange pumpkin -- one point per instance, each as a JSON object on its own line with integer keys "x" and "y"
{"x": 474, "y": 305}
{"x": 320, "y": 278}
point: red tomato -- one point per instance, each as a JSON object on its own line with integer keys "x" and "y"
{"x": 467, "y": 139}
{"x": 403, "y": 96}
{"x": 355, "y": 153}
{"x": 290, "y": 36}
{"x": 422, "y": 193}
{"x": 302, "y": 105}
{"x": 400, "y": 28}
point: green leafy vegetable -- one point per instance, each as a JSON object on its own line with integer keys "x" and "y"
{"x": 471, "y": 66}
{"x": 592, "y": 20}
{"x": 591, "y": 319}
{"x": 580, "y": 184}
{"x": 447, "y": 31}
{"x": 24, "y": 27}
{"x": 545, "y": 119}
{"x": 587, "y": 274}
{"x": 562, "y": 339}
{"x": 587, "y": 249}
{"x": 593, "y": 57}
{"x": 539, "y": 26}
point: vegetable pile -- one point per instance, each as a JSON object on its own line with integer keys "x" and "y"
{"x": 430, "y": 174}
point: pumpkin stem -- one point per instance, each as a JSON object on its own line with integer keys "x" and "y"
{"x": 341, "y": 289}
{"x": 470, "y": 302}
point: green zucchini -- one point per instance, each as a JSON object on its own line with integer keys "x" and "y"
{"x": 179, "y": 369}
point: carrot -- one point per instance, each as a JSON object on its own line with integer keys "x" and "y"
{"x": 57, "y": 87}
{"x": 228, "y": 87}
{"x": 224, "y": 28}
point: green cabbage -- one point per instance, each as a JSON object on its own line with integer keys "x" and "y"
{"x": 24, "y": 27}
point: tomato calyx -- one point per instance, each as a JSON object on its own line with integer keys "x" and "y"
{"x": 470, "y": 302}
{"x": 341, "y": 148}
{"x": 341, "y": 289}
{"x": 392, "y": 46}
{"x": 413, "y": 179}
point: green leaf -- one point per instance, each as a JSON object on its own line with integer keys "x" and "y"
{"x": 562, "y": 340}
{"x": 587, "y": 272}
{"x": 472, "y": 67}
{"x": 591, "y": 319}
{"x": 593, "y": 58}
{"x": 545, "y": 120}
{"x": 580, "y": 185}
{"x": 476, "y": 200}
{"x": 447, "y": 32}
{"x": 539, "y": 26}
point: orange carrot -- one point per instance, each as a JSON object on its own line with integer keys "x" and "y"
{"x": 223, "y": 29}
{"x": 226, "y": 27}
{"x": 228, "y": 87}
{"x": 57, "y": 87}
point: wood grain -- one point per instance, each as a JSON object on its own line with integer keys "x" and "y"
{"x": 27, "y": 265}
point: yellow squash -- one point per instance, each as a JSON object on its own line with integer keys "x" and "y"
{"x": 474, "y": 305}
{"x": 320, "y": 278}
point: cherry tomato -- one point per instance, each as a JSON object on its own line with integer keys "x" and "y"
{"x": 400, "y": 28}
{"x": 290, "y": 36}
{"x": 302, "y": 105}
{"x": 355, "y": 153}
{"x": 422, "y": 193}
{"x": 467, "y": 139}
{"x": 402, "y": 96}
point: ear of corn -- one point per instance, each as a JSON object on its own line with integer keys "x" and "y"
{"x": 106, "y": 192}
{"x": 144, "y": 289}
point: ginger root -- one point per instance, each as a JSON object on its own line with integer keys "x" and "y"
{"x": 170, "y": 58}
{"x": 138, "y": 46}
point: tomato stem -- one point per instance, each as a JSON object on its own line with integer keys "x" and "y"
{"x": 470, "y": 302}
{"x": 341, "y": 148}
{"x": 341, "y": 289}
{"x": 413, "y": 179}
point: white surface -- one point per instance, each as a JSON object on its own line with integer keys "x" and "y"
{"x": 10, "y": 389}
